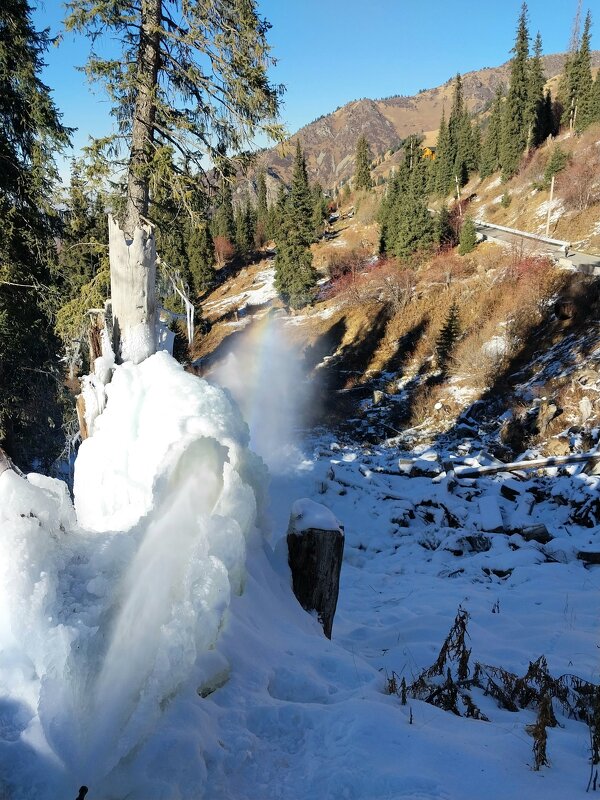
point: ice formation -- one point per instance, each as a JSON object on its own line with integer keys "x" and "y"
{"x": 108, "y": 610}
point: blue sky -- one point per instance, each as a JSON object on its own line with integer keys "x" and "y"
{"x": 332, "y": 52}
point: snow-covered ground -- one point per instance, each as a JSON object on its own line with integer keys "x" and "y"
{"x": 159, "y": 653}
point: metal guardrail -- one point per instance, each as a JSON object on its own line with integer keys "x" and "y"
{"x": 525, "y": 234}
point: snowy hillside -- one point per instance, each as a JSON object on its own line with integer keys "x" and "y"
{"x": 153, "y": 648}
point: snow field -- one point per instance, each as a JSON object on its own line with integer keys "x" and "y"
{"x": 152, "y": 648}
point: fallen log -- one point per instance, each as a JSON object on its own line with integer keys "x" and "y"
{"x": 533, "y": 463}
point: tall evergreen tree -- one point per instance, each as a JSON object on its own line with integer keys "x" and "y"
{"x": 319, "y": 209}
{"x": 295, "y": 276}
{"x": 201, "y": 257}
{"x": 595, "y": 100}
{"x": 190, "y": 83}
{"x": 30, "y": 134}
{"x": 244, "y": 232}
{"x": 84, "y": 237}
{"x": 584, "y": 102}
{"x": 444, "y": 161}
{"x": 262, "y": 210}
{"x": 463, "y": 155}
{"x": 537, "y": 125}
{"x": 223, "y": 221}
{"x": 516, "y": 109}
{"x": 407, "y": 224}
{"x": 490, "y": 147}
{"x": 362, "y": 167}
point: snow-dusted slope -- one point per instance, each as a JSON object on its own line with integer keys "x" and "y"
{"x": 158, "y": 652}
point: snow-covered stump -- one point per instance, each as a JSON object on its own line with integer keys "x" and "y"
{"x": 133, "y": 292}
{"x": 315, "y": 541}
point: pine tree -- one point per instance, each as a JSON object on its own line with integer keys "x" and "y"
{"x": 201, "y": 257}
{"x": 84, "y": 238}
{"x": 516, "y": 109}
{"x": 462, "y": 147}
{"x": 319, "y": 209}
{"x": 409, "y": 227}
{"x": 295, "y": 276}
{"x": 190, "y": 84}
{"x": 468, "y": 237}
{"x": 362, "y": 169}
{"x": 444, "y": 161}
{"x": 556, "y": 163}
{"x": 223, "y": 221}
{"x": 301, "y": 200}
{"x": 262, "y": 210}
{"x": 537, "y": 127}
{"x": 444, "y": 232}
{"x": 595, "y": 100}
{"x": 30, "y": 135}
{"x": 244, "y": 232}
{"x": 490, "y": 148}
{"x": 584, "y": 102}
{"x": 448, "y": 336}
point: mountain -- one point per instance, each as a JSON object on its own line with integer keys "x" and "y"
{"x": 329, "y": 142}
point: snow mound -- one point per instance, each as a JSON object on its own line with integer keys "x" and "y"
{"x": 106, "y": 617}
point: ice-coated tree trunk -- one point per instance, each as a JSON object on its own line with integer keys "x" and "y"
{"x": 133, "y": 292}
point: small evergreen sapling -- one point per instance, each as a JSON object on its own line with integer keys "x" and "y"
{"x": 447, "y": 338}
{"x": 468, "y": 237}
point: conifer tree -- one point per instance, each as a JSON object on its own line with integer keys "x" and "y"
{"x": 490, "y": 148}
{"x": 443, "y": 160}
{"x": 223, "y": 221}
{"x": 319, "y": 209}
{"x": 462, "y": 148}
{"x": 583, "y": 113}
{"x": 516, "y": 109}
{"x": 362, "y": 169}
{"x": 301, "y": 200}
{"x": 444, "y": 232}
{"x": 295, "y": 276}
{"x": 190, "y": 83}
{"x": 84, "y": 237}
{"x": 595, "y": 100}
{"x": 201, "y": 257}
{"x": 448, "y": 336}
{"x": 408, "y": 225}
{"x": 244, "y": 232}
{"x": 537, "y": 127}
{"x": 468, "y": 237}
{"x": 30, "y": 134}
{"x": 262, "y": 210}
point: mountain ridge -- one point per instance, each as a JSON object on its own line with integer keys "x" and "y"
{"x": 329, "y": 142}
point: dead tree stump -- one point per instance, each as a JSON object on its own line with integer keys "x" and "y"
{"x": 315, "y": 542}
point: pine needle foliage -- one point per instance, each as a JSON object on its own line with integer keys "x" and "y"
{"x": 295, "y": 276}
{"x": 189, "y": 84}
{"x": 447, "y": 338}
{"x": 362, "y": 171}
{"x": 30, "y": 291}
{"x": 468, "y": 237}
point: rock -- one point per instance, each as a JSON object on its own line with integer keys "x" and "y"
{"x": 378, "y": 396}
{"x": 315, "y": 542}
{"x": 558, "y": 447}
{"x": 585, "y": 409}
{"x": 546, "y": 413}
{"x": 491, "y": 517}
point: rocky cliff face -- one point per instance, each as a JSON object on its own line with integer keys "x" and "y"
{"x": 329, "y": 142}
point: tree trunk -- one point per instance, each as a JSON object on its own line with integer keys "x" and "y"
{"x": 144, "y": 116}
{"x": 133, "y": 292}
{"x": 315, "y": 559}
